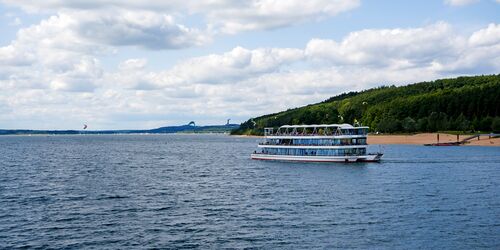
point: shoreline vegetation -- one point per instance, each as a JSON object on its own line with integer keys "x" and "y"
{"x": 467, "y": 104}
{"x": 418, "y": 139}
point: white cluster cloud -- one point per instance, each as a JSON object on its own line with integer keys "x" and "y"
{"x": 146, "y": 29}
{"x": 231, "y": 66}
{"x": 389, "y": 47}
{"x": 49, "y": 82}
{"x": 114, "y": 27}
{"x": 460, "y": 2}
{"x": 486, "y": 37}
{"x": 49, "y": 55}
{"x": 268, "y": 14}
{"x": 61, "y": 52}
{"x": 226, "y": 16}
{"x": 463, "y": 2}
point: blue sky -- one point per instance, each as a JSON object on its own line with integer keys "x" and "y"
{"x": 120, "y": 64}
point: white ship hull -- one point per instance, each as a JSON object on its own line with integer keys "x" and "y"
{"x": 358, "y": 158}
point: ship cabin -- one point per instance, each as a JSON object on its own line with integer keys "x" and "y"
{"x": 316, "y": 135}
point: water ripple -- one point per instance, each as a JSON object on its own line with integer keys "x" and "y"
{"x": 184, "y": 191}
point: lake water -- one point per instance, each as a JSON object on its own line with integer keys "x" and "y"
{"x": 203, "y": 191}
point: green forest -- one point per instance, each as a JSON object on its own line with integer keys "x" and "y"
{"x": 463, "y": 104}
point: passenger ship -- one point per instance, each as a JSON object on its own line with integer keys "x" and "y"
{"x": 316, "y": 143}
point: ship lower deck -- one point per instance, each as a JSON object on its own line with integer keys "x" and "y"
{"x": 311, "y": 158}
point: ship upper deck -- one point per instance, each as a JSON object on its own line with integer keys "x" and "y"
{"x": 317, "y": 130}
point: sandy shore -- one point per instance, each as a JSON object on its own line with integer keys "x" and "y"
{"x": 419, "y": 139}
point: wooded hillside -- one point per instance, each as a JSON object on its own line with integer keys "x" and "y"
{"x": 460, "y": 104}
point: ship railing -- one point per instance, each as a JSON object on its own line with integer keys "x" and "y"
{"x": 294, "y": 144}
{"x": 312, "y": 134}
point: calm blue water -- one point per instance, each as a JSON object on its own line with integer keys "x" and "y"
{"x": 203, "y": 191}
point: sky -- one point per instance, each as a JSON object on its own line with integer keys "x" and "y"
{"x": 124, "y": 64}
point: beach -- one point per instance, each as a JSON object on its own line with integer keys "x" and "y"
{"x": 423, "y": 138}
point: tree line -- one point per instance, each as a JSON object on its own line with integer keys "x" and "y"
{"x": 466, "y": 104}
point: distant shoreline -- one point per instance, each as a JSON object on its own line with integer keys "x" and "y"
{"x": 162, "y": 130}
{"x": 92, "y": 134}
{"x": 248, "y": 136}
{"x": 418, "y": 139}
